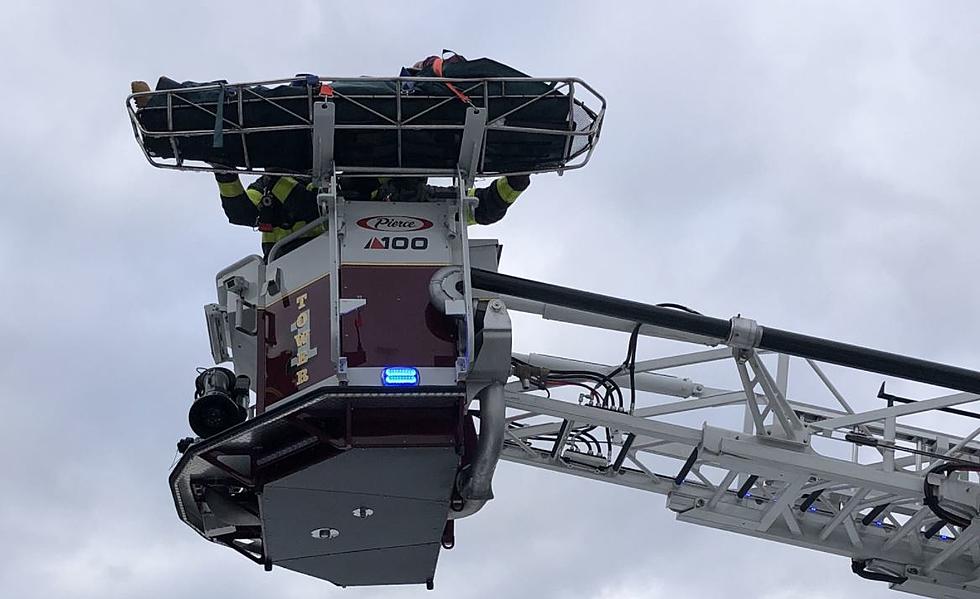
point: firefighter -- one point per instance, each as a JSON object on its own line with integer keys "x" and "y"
{"x": 276, "y": 205}
{"x": 281, "y": 205}
{"x": 495, "y": 199}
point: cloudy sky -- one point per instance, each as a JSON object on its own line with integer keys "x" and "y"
{"x": 811, "y": 165}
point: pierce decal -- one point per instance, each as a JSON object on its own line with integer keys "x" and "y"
{"x": 397, "y": 243}
{"x": 394, "y": 224}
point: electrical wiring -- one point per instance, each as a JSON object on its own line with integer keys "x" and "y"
{"x": 932, "y": 501}
{"x": 629, "y": 364}
{"x": 590, "y": 440}
{"x": 607, "y": 398}
{"x": 631, "y": 358}
{"x": 678, "y": 307}
{"x": 610, "y": 398}
{"x": 576, "y": 435}
{"x": 611, "y": 393}
{"x": 576, "y": 382}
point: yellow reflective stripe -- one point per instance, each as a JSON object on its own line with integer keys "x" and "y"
{"x": 282, "y": 188}
{"x": 275, "y": 235}
{"x": 507, "y": 193}
{"x": 377, "y": 191}
{"x": 231, "y": 189}
{"x": 255, "y": 195}
{"x": 280, "y": 233}
{"x": 312, "y": 233}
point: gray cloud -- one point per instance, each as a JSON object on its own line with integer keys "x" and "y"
{"x": 807, "y": 164}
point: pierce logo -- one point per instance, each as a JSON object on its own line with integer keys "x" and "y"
{"x": 394, "y": 223}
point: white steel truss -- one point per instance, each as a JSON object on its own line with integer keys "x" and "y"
{"x": 767, "y": 479}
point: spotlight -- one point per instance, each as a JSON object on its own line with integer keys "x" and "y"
{"x": 220, "y": 401}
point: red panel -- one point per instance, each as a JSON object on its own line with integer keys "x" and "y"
{"x": 398, "y": 326}
{"x": 296, "y": 336}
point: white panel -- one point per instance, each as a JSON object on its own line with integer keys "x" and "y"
{"x": 395, "y": 233}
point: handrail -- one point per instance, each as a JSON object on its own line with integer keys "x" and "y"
{"x": 277, "y": 247}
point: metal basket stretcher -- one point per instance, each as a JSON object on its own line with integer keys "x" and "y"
{"x": 396, "y": 126}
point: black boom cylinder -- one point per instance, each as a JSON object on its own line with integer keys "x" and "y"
{"x": 785, "y": 342}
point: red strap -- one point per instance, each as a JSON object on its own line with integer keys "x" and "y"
{"x": 458, "y": 93}
{"x": 437, "y": 69}
{"x": 266, "y": 227}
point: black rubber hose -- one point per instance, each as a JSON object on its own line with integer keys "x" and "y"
{"x": 858, "y": 567}
{"x": 809, "y": 500}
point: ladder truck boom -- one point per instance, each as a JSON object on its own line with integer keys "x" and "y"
{"x": 365, "y": 384}
{"x": 791, "y": 473}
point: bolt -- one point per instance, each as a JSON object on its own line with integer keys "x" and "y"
{"x": 699, "y": 502}
{"x": 496, "y": 305}
{"x": 325, "y": 533}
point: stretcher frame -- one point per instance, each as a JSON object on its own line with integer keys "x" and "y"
{"x": 580, "y": 138}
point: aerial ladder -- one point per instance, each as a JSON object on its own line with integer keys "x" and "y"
{"x": 371, "y": 387}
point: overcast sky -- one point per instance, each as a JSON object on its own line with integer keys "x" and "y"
{"x": 809, "y": 165}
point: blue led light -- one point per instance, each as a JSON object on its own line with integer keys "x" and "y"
{"x": 879, "y": 523}
{"x": 400, "y": 376}
{"x": 747, "y": 494}
{"x": 943, "y": 537}
{"x": 812, "y": 509}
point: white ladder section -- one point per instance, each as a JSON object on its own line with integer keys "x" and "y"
{"x": 788, "y": 474}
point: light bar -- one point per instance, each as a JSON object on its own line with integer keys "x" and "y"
{"x": 400, "y": 376}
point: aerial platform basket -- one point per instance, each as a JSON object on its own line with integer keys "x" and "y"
{"x": 396, "y": 126}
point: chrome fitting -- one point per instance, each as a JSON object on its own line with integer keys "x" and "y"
{"x": 745, "y": 333}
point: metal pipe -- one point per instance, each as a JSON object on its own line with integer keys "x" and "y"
{"x": 442, "y": 287}
{"x": 661, "y": 384}
{"x": 493, "y": 424}
{"x": 785, "y": 342}
{"x": 233, "y": 267}
{"x": 591, "y": 319}
{"x": 277, "y": 248}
